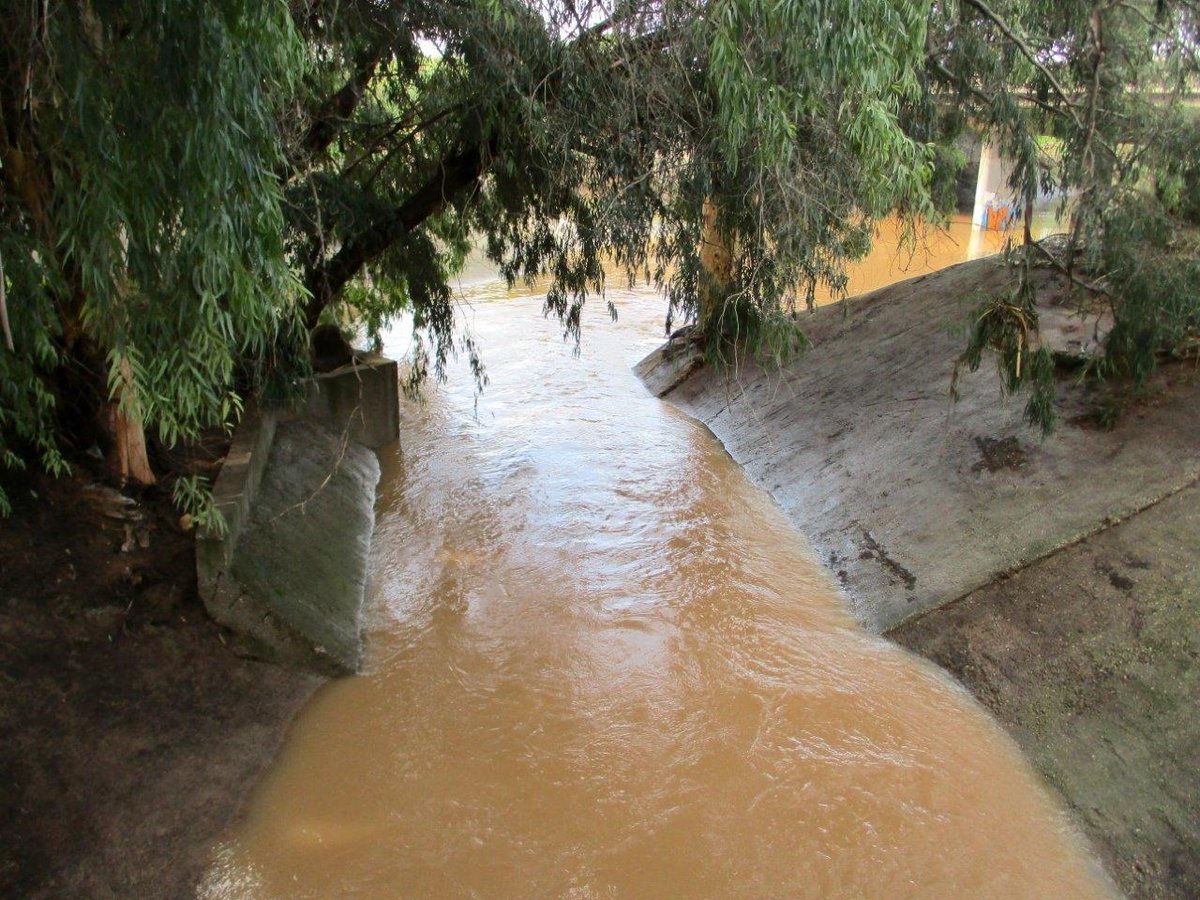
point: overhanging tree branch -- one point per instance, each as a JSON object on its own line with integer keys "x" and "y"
{"x": 1027, "y": 52}
{"x": 336, "y": 109}
{"x": 454, "y": 174}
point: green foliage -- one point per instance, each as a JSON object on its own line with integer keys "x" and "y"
{"x": 172, "y": 172}
{"x": 1006, "y": 325}
{"x": 1154, "y": 271}
{"x": 602, "y": 136}
{"x": 192, "y": 495}
{"x": 741, "y": 330}
{"x": 141, "y": 218}
{"x": 27, "y": 403}
{"x": 1091, "y": 101}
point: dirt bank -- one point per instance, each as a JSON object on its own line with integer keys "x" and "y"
{"x": 1076, "y": 555}
{"x": 132, "y": 730}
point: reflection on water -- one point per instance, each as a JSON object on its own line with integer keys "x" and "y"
{"x": 604, "y": 665}
{"x": 892, "y": 259}
{"x": 934, "y": 249}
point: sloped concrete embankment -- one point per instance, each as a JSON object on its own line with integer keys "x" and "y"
{"x": 1058, "y": 578}
{"x": 1089, "y": 657}
{"x": 297, "y": 491}
{"x": 911, "y": 499}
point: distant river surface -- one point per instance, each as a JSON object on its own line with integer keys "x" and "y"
{"x": 603, "y": 664}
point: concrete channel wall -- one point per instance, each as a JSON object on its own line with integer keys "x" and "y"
{"x": 297, "y": 493}
{"x": 911, "y": 499}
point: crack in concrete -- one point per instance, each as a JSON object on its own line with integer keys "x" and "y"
{"x": 909, "y": 579}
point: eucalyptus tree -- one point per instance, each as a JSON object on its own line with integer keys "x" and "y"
{"x": 186, "y": 186}
{"x": 1096, "y": 100}
{"x": 145, "y": 149}
{"x": 735, "y": 153}
{"x": 565, "y": 134}
{"x": 141, "y": 226}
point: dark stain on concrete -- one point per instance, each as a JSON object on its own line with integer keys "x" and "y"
{"x": 999, "y": 454}
{"x": 895, "y": 568}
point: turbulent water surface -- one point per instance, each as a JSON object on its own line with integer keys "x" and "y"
{"x": 603, "y": 665}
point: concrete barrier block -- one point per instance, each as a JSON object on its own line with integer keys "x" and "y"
{"x": 297, "y": 493}
{"x": 362, "y": 398}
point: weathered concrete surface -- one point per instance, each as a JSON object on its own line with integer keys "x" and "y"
{"x": 670, "y": 365}
{"x": 301, "y": 564}
{"x": 362, "y": 399}
{"x": 236, "y": 606}
{"x": 294, "y": 592}
{"x": 1090, "y": 658}
{"x": 235, "y": 487}
{"x": 910, "y": 499}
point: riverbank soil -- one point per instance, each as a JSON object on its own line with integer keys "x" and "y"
{"x": 1091, "y": 658}
{"x": 132, "y": 730}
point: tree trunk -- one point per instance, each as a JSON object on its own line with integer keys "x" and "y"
{"x": 716, "y": 260}
{"x": 129, "y": 438}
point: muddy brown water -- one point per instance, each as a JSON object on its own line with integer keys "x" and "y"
{"x": 603, "y": 664}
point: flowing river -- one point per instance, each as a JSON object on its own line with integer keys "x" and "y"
{"x": 603, "y": 664}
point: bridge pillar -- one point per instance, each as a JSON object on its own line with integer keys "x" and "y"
{"x": 992, "y": 192}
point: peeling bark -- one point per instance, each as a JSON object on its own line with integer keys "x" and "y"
{"x": 716, "y": 259}
{"x": 129, "y": 437}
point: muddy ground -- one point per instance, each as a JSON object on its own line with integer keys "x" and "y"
{"x": 132, "y": 728}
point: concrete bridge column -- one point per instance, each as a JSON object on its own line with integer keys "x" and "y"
{"x": 992, "y": 189}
